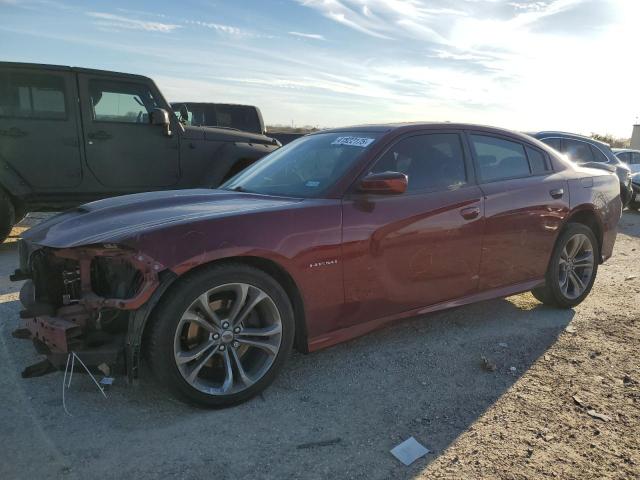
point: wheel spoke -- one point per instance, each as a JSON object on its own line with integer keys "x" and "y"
{"x": 584, "y": 261}
{"x": 576, "y": 245}
{"x": 261, "y": 332}
{"x": 261, "y": 344}
{"x": 228, "y": 378}
{"x": 250, "y": 303}
{"x": 189, "y": 355}
{"x": 192, "y": 317}
{"x": 241, "y": 291}
{"x": 578, "y": 285}
{"x": 240, "y": 368}
{"x": 203, "y": 303}
{"x": 193, "y": 373}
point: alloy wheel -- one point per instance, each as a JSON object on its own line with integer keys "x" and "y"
{"x": 576, "y": 266}
{"x": 227, "y": 339}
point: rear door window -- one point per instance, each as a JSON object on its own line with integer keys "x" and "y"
{"x": 578, "y": 151}
{"x": 121, "y": 102}
{"x": 499, "y": 159}
{"x": 33, "y": 95}
{"x": 635, "y": 158}
{"x": 432, "y": 162}
{"x": 598, "y": 156}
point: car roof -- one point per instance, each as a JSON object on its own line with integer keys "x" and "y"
{"x": 214, "y": 103}
{"x": 64, "y": 68}
{"x": 417, "y": 126}
{"x": 624, "y": 150}
{"x": 552, "y": 133}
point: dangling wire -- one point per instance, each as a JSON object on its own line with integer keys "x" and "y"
{"x": 71, "y": 362}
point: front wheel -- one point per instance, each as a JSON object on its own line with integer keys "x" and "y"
{"x": 221, "y": 335}
{"x": 572, "y": 268}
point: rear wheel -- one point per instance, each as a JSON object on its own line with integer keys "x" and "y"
{"x": 220, "y": 336}
{"x": 7, "y": 216}
{"x": 572, "y": 268}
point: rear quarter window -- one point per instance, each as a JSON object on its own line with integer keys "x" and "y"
{"x": 538, "y": 161}
{"x": 33, "y": 95}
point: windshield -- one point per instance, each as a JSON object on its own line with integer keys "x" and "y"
{"x": 306, "y": 167}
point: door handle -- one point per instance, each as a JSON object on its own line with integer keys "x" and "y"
{"x": 99, "y": 135}
{"x": 13, "y": 132}
{"x": 556, "y": 193}
{"x": 470, "y": 213}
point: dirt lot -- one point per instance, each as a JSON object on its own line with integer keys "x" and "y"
{"x": 337, "y": 413}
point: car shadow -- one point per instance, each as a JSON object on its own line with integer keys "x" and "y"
{"x": 336, "y": 412}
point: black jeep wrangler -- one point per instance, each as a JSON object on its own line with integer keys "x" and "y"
{"x": 73, "y": 135}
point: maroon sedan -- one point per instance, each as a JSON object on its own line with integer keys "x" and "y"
{"x": 327, "y": 238}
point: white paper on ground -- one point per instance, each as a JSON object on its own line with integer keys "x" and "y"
{"x": 409, "y": 451}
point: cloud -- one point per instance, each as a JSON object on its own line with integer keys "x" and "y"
{"x": 387, "y": 19}
{"x": 110, "y": 20}
{"x": 312, "y": 36}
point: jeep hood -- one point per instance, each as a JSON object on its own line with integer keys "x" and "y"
{"x": 120, "y": 218}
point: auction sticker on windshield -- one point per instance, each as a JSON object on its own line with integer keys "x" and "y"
{"x": 353, "y": 141}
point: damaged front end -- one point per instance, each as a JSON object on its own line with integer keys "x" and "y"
{"x": 91, "y": 300}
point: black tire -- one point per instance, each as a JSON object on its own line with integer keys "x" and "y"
{"x": 7, "y": 216}
{"x": 179, "y": 299}
{"x": 550, "y": 293}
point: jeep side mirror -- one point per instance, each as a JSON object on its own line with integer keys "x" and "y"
{"x": 384, "y": 182}
{"x": 159, "y": 116}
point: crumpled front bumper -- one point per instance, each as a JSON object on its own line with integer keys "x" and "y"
{"x": 59, "y": 327}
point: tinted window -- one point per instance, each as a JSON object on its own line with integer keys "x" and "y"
{"x": 499, "y": 159}
{"x": 553, "y": 142}
{"x": 635, "y": 159}
{"x": 432, "y": 162}
{"x": 121, "y": 101}
{"x": 537, "y": 161}
{"x": 577, "y": 151}
{"x": 598, "y": 156}
{"x": 32, "y": 96}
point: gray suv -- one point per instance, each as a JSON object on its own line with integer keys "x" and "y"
{"x": 73, "y": 135}
{"x": 590, "y": 152}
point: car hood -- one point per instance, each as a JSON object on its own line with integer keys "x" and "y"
{"x": 117, "y": 219}
{"x": 225, "y": 135}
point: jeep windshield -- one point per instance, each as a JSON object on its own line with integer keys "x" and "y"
{"x": 307, "y": 167}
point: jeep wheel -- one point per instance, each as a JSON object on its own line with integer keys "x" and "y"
{"x": 220, "y": 336}
{"x": 7, "y": 216}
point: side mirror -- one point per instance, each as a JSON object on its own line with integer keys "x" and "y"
{"x": 159, "y": 116}
{"x": 384, "y": 182}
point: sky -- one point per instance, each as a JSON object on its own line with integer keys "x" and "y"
{"x": 526, "y": 65}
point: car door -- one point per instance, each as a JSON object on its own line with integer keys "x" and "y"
{"x": 525, "y": 204}
{"x": 38, "y": 128}
{"x": 422, "y": 247}
{"x": 124, "y": 151}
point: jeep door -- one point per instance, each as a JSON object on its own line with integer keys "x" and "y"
{"x": 123, "y": 150}
{"x": 421, "y": 247}
{"x": 525, "y": 204}
{"x": 39, "y": 138}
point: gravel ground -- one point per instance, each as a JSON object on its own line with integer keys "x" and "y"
{"x": 338, "y": 412}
